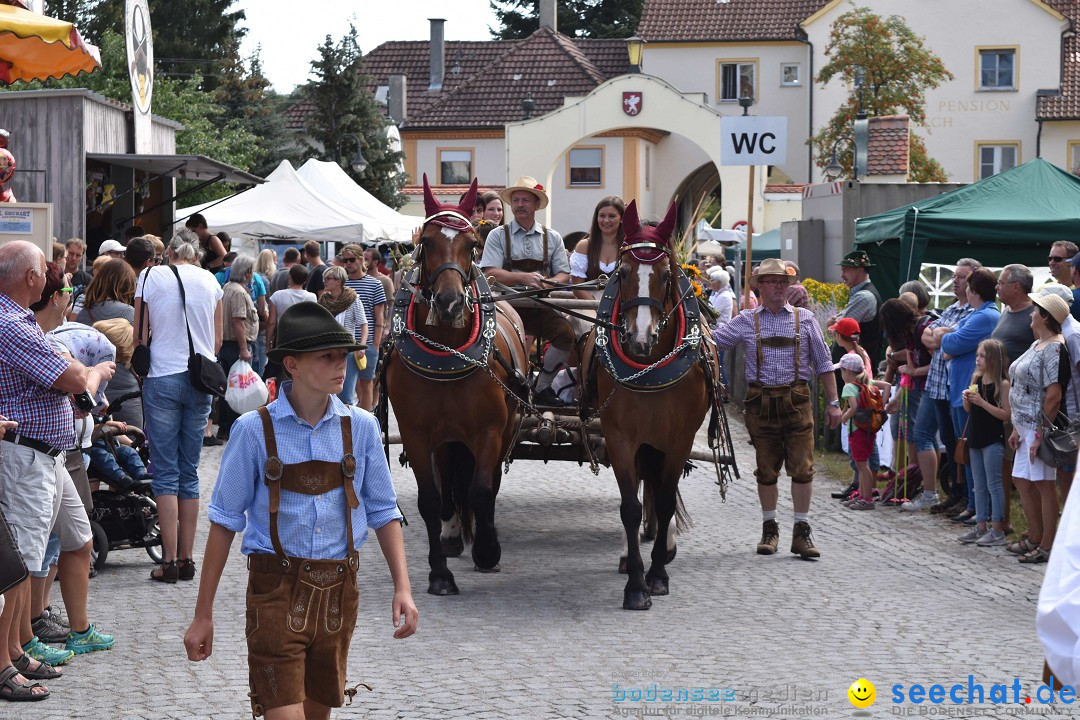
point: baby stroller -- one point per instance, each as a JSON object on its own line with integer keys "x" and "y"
{"x": 123, "y": 517}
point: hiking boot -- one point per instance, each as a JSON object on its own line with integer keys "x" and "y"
{"x": 802, "y": 542}
{"x": 45, "y": 653}
{"x": 770, "y": 538}
{"x": 994, "y": 538}
{"x": 88, "y": 641}
{"x": 922, "y": 502}
{"x": 47, "y": 630}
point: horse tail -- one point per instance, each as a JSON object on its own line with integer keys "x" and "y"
{"x": 460, "y": 477}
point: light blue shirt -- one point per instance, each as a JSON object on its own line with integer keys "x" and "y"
{"x": 310, "y": 526}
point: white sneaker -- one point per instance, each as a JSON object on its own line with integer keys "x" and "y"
{"x": 922, "y": 502}
{"x": 991, "y": 539}
{"x": 973, "y": 535}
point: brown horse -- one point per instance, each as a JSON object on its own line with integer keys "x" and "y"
{"x": 651, "y": 390}
{"x": 454, "y": 356}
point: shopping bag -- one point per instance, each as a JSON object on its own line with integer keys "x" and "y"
{"x": 246, "y": 391}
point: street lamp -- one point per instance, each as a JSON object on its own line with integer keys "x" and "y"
{"x": 635, "y": 49}
{"x": 834, "y": 169}
{"x": 745, "y": 102}
{"x": 358, "y": 163}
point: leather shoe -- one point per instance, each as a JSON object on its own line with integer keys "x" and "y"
{"x": 846, "y": 492}
{"x": 547, "y": 398}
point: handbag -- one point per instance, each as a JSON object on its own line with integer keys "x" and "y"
{"x": 961, "y": 453}
{"x": 12, "y": 567}
{"x": 1061, "y": 436}
{"x": 140, "y": 355}
{"x": 205, "y": 374}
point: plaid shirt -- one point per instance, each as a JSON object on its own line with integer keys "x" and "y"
{"x": 814, "y": 357}
{"x": 861, "y": 305}
{"x": 310, "y": 526}
{"x": 28, "y": 368}
{"x": 937, "y": 380}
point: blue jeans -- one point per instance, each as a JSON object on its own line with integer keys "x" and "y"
{"x": 175, "y": 429}
{"x": 989, "y": 493}
{"x": 258, "y": 354}
{"x": 959, "y": 420}
{"x": 348, "y": 390}
{"x": 372, "y": 353}
{"x": 126, "y": 462}
{"x": 926, "y": 424}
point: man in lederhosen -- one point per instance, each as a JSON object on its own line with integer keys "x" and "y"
{"x": 298, "y": 474}
{"x": 525, "y": 253}
{"x": 779, "y": 409}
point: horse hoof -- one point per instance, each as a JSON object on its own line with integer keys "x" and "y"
{"x": 493, "y": 569}
{"x": 487, "y": 559}
{"x": 452, "y": 546}
{"x": 622, "y": 566}
{"x": 671, "y": 554}
{"x": 442, "y": 587}
{"x": 636, "y": 600}
{"x": 657, "y": 585}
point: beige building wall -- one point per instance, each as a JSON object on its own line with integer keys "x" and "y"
{"x": 1061, "y": 144}
{"x": 959, "y": 115}
{"x": 696, "y": 68}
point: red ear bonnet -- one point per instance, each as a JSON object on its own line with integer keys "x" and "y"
{"x": 634, "y": 233}
{"x": 433, "y": 206}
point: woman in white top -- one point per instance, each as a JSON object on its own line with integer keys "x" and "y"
{"x": 598, "y": 252}
{"x": 348, "y": 309}
{"x": 722, "y": 298}
{"x": 175, "y": 426}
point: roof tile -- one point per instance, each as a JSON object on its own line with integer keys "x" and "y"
{"x": 724, "y": 20}
{"x": 888, "y": 145}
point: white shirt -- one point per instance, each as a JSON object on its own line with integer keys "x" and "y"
{"x": 579, "y": 265}
{"x": 160, "y": 293}
{"x": 1057, "y": 619}
{"x": 285, "y": 299}
{"x": 724, "y": 302}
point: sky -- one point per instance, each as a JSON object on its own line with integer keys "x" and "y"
{"x": 290, "y": 32}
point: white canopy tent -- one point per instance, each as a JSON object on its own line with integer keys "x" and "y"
{"x": 285, "y": 207}
{"x": 382, "y": 222}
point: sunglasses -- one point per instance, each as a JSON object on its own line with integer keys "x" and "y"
{"x": 349, "y": 259}
{"x": 1055, "y": 258}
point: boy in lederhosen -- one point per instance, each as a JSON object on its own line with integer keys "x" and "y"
{"x": 296, "y": 477}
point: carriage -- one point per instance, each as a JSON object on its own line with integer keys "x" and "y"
{"x": 457, "y": 371}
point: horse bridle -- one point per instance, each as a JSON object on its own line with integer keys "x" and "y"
{"x": 429, "y": 279}
{"x": 647, "y": 301}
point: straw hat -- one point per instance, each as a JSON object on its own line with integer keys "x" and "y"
{"x": 528, "y": 184}
{"x": 771, "y": 266}
{"x": 1052, "y": 304}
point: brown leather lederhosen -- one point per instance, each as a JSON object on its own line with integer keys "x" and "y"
{"x": 543, "y": 322}
{"x": 301, "y": 612}
{"x": 780, "y": 418}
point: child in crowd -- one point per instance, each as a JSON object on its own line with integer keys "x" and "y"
{"x": 987, "y": 402}
{"x": 117, "y": 463}
{"x": 305, "y": 459}
{"x": 860, "y": 440}
{"x": 846, "y": 332}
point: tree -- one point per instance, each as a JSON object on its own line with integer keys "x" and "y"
{"x": 345, "y": 111}
{"x": 574, "y": 18}
{"x": 190, "y": 37}
{"x": 897, "y": 71}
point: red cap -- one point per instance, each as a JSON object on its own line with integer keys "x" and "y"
{"x": 848, "y": 327}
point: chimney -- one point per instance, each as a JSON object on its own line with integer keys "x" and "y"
{"x": 438, "y": 53}
{"x": 547, "y": 14}
{"x": 398, "y": 96}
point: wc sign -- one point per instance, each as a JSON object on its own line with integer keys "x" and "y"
{"x": 753, "y": 140}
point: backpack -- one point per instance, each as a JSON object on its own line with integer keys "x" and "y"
{"x": 870, "y": 409}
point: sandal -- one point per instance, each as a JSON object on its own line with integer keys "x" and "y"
{"x": 1038, "y": 555}
{"x": 165, "y": 572}
{"x": 1021, "y": 546}
{"x": 185, "y": 568}
{"x": 44, "y": 671}
{"x": 14, "y": 692}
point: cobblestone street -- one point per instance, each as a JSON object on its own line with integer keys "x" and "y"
{"x": 894, "y": 599}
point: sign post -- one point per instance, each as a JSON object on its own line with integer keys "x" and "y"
{"x": 140, "y": 57}
{"x": 752, "y": 140}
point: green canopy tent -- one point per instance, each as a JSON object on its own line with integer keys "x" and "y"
{"x": 1012, "y": 217}
{"x": 766, "y": 245}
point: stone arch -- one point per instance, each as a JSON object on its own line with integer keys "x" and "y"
{"x": 534, "y": 146}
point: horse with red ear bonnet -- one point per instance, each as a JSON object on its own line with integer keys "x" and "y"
{"x": 456, "y": 421}
{"x": 650, "y": 383}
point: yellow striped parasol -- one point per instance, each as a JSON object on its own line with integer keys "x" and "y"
{"x": 37, "y": 47}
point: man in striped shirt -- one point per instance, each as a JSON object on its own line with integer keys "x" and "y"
{"x": 779, "y": 409}
{"x": 371, "y": 294}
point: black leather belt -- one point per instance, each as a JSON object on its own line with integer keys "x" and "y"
{"x": 13, "y": 437}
